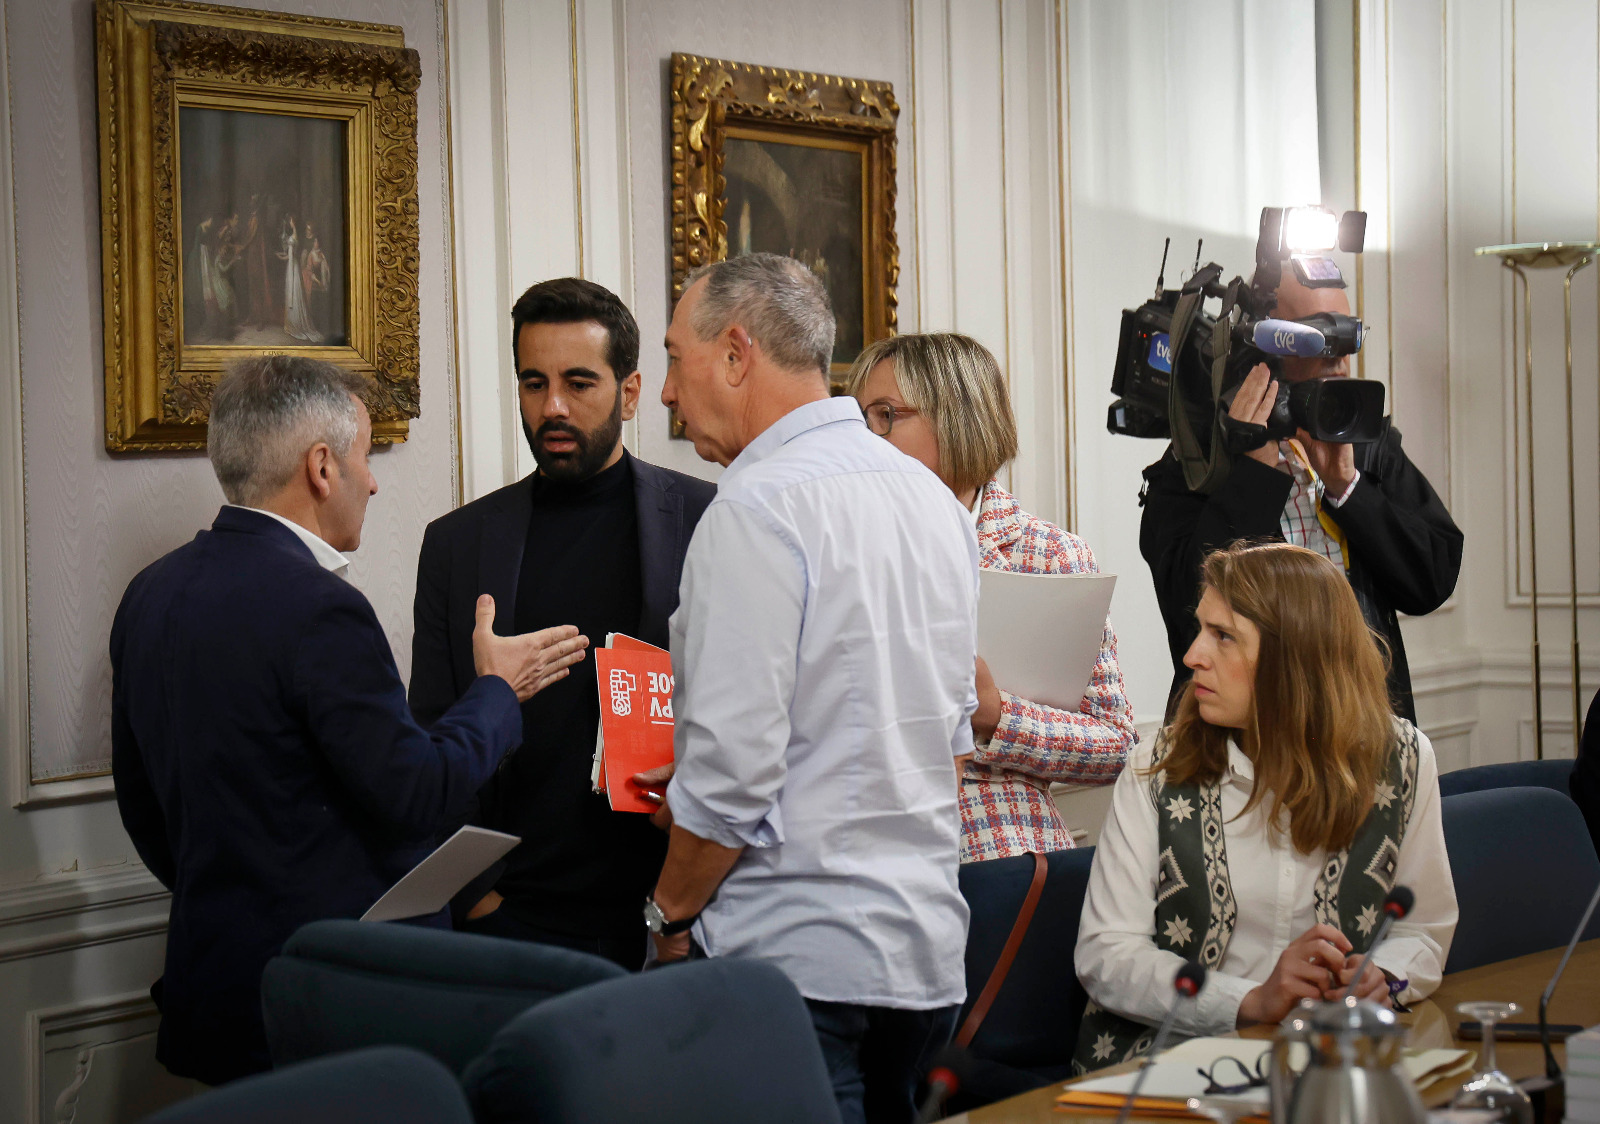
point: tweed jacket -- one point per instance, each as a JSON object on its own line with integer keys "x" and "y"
{"x": 1006, "y": 807}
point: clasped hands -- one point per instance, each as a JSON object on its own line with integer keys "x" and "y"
{"x": 1318, "y": 964}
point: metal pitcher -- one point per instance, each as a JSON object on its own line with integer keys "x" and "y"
{"x": 1352, "y": 1072}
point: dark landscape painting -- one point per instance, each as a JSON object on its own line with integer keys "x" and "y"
{"x": 806, "y": 202}
{"x": 262, "y": 206}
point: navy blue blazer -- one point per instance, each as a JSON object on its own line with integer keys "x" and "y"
{"x": 477, "y": 549}
{"x": 268, "y": 768}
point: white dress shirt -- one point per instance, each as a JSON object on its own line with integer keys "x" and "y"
{"x": 327, "y": 557}
{"x": 823, "y": 647}
{"x": 1124, "y": 971}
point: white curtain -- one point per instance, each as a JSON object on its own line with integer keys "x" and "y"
{"x": 1196, "y": 113}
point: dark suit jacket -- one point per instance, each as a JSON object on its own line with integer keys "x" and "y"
{"x": 268, "y": 769}
{"x": 477, "y": 549}
{"x": 1405, "y": 550}
{"x": 1585, "y": 782}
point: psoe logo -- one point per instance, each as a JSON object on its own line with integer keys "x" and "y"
{"x": 1161, "y": 352}
{"x": 623, "y": 684}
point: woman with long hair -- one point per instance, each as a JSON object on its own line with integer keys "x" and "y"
{"x": 941, "y": 399}
{"x": 1262, "y": 829}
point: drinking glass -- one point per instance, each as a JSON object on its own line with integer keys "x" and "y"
{"x": 1489, "y": 1088}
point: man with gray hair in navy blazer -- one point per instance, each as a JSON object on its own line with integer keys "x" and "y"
{"x": 267, "y": 766}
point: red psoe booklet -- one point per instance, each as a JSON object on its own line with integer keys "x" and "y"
{"x": 635, "y": 718}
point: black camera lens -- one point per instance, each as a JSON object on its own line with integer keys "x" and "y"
{"x": 1344, "y": 410}
{"x": 1337, "y": 413}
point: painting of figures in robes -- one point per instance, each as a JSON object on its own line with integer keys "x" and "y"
{"x": 262, "y": 208}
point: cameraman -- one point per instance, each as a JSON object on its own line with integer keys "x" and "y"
{"x": 1365, "y": 507}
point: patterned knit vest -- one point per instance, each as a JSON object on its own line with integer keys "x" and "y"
{"x": 1195, "y": 909}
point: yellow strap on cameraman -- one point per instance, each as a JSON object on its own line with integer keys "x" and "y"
{"x": 1329, "y": 527}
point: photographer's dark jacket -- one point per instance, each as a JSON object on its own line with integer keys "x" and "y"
{"x": 1405, "y": 550}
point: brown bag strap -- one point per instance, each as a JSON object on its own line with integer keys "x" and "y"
{"x": 997, "y": 976}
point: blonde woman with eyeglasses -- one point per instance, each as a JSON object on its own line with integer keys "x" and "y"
{"x": 941, "y": 399}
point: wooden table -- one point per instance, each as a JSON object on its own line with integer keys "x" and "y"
{"x": 1432, "y": 1023}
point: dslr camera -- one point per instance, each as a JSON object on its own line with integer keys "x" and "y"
{"x": 1180, "y": 365}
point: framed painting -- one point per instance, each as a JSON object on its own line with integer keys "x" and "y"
{"x": 788, "y": 162}
{"x": 257, "y": 193}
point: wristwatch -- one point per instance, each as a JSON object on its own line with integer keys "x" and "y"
{"x": 657, "y": 922}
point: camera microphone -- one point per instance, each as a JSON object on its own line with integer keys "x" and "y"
{"x": 1187, "y": 982}
{"x": 1286, "y": 337}
{"x": 1395, "y": 906}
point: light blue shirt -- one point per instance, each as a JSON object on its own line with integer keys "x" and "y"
{"x": 824, "y": 647}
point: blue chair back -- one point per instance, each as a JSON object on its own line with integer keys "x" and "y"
{"x": 1524, "y": 868}
{"x": 340, "y": 985}
{"x": 388, "y": 1083}
{"x": 1553, "y": 773}
{"x": 1027, "y": 1038}
{"x": 723, "y": 1040}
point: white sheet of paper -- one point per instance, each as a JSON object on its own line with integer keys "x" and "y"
{"x": 1174, "y": 1081}
{"x": 1040, "y": 633}
{"x": 429, "y": 886}
{"x": 1177, "y": 1074}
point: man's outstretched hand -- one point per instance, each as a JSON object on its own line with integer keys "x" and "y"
{"x": 529, "y": 662}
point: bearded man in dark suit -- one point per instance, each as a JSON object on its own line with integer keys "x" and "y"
{"x": 596, "y": 537}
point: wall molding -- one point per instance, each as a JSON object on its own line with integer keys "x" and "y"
{"x": 48, "y": 916}
{"x": 556, "y": 201}
{"x": 69, "y": 1019}
{"x": 15, "y": 738}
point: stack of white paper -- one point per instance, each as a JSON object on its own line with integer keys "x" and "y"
{"x": 1583, "y": 1077}
{"x": 1040, "y": 633}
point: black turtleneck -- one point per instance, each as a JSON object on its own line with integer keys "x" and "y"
{"x": 581, "y": 868}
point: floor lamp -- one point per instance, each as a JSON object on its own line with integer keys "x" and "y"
{"x": 1571, "y": 256}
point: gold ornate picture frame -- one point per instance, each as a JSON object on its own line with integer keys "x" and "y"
{"x": 793, "y": 163}
{"x": 258, "y": 192}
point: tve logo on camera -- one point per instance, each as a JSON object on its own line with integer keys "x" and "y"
{"x": 1161, "y": 352}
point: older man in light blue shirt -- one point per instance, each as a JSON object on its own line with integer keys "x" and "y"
{"x": 824, "y": 652}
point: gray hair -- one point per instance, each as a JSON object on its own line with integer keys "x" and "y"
{"x": 781, "y": 303}
{"x": 267, "y": 413}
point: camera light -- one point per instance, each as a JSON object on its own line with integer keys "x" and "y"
{"x": 1310, "y": 230}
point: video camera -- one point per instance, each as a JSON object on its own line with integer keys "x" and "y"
{"x": 1179, "y": 367}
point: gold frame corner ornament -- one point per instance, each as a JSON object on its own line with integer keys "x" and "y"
{"x": 712, "y": 99}
{"x": 155, "y": 57}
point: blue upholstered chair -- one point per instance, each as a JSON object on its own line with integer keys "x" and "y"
{"x": 723, "y": 1040}
{"x": 1553, "y": 773}
{"x": 1524, "y": 868}
{"x": 1027, "y": 1038}
{"x": 339, "y": 985}
{"x": 387, "y": 1083}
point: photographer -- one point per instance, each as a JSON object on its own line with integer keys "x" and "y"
{"x": 1365, "y": 507}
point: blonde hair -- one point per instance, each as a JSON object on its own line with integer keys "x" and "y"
{"x": 1321, "y": 727}
{"x": 954, "y": 382}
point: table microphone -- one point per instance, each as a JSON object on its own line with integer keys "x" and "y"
{"x": 1395, "y": 906}
{"x": 1548, "y": 1093}
{"x": 1188, "y": 981}
{"x": 1551, "y": 1069}
{"x": 951, "y": 1068}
